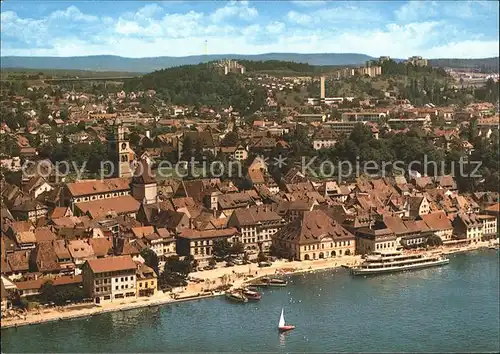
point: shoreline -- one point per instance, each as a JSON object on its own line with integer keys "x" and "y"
{"x": 193, "y": 292}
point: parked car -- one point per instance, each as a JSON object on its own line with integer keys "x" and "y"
{"x": 264, "y": 264}
{"x": 229, "y": 264}
{"x": 238, "y": 261}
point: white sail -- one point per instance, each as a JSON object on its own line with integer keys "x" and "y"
{"x": 282, "y": 319}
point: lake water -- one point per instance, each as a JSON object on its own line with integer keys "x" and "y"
{"x": 454, "y": 308}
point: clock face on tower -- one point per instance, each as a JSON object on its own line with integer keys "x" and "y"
{"x": 124, "y": 146}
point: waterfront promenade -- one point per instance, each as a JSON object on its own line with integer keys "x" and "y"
{"x": 236, "y": 276}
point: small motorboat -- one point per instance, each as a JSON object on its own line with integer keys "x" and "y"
{"x": 236, "y": 296}
{"x": 251, "y": 294}
{"x": 282, "y": 327}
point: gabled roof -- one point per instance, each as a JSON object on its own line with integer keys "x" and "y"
{"x": 204, "y": 138}
{"x": 101, "y": 246}
{"x": 43, "y": 234}
{"x": 99, "y": 208}
{"x": 312, "y": 227}
{"x": 80, "y": 249}
{"x": 111, "y": 264}
{"x": 437, "y": 221}
{"x": 19, "y": 261}
{"x": 253, "y": 216}
{"x": 88, "y": 187}
{"x": 45, "y": 257}
{"x": 197, "y": 234}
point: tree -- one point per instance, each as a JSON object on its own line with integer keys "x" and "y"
{"x": 238, "y": 247}
{"x": 187, "y": 148}
{"x": 212, "y": 262}
{"x": 48, "y": 292}
{"x": 175, "y": 272}
{"x": 193, "y": 263}
{"x": 261, "y": 257}
{"x": 151, "y": 259}
{"x": 221, "y": 248}
{"x": 60, "y": 296}
{"x": 434, "y": 240}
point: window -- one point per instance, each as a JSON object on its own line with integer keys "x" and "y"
{"x": 152, "y": 282}
{"x": 140, "y": 285}
{"x": 116, "y": 287}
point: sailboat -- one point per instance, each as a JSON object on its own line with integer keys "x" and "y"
{"x": 282, "y": 327}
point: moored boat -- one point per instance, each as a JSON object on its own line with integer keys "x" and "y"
{"x": 236, "y": 296}
{"x": 251, "y": 294}
{"x": 396, "y": 261}
{"x": 275, "y": 282}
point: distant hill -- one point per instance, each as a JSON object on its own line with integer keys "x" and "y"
{"x": 485, "y": 64}
{"x": 145, "y": 65}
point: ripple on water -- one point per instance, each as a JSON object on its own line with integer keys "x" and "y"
{"x": 452, "y": 308}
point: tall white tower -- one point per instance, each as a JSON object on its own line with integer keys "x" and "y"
{"x": 120, "y": 151}
{"x": 322, "y": 88}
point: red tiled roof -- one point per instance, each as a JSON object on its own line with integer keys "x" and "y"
{"x": 196, "y": 234}
{"x": 37, "y": 284}
{"x": 87, "y": 187}
{"x": 437, "y": 221}
{"x": 101, "y": 207}
{"x": 111, "y": 264}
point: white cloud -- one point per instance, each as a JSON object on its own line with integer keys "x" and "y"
{"x": 345, "y": 14}
{"x": 150, "y": 10}
{"x": 235, "y": 9}
{"x": 465, "y": 49}
{"x": 149, "y": 32}
{"x": 72, "y": 13}
{"x": 310, "y": 3}
{"x": 275, "y": 27}
{"x": 415, "y": 10}
{"x": 422, "y": 10}
{"x": 299, "y": 18}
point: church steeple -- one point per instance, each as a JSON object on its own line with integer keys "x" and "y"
{"x": 120, "y": 151}
{"x": 144, "y": 186}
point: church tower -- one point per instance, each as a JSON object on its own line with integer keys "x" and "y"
{"x": 120, "y": 151}
{"x": 144, "y": 186}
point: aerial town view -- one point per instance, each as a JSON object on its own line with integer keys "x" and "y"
{"x": 249, "y": 176}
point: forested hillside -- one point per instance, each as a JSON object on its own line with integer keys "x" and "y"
{"x": 200, "y": 85}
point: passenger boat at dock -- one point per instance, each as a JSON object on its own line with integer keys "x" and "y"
{"x": 395, "y": 261}
{"x": 271, "y": 282}
{"x": 236, "y": 296}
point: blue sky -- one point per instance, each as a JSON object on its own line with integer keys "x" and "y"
{"x": 434, "y": 29}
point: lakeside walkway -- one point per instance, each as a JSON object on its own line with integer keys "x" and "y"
{"x": 237, "y": 276}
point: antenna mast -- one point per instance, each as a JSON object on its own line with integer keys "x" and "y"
{"x": 206, "y": 51}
